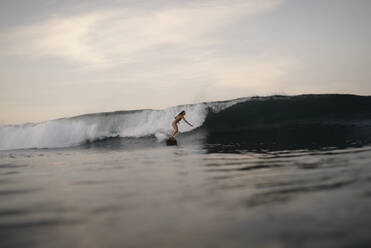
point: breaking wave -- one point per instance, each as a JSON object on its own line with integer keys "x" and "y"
{"x": 246, "y": 118}
{"x": 74, "y": 131}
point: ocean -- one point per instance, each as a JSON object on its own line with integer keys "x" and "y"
{"x": 277, "y": 171}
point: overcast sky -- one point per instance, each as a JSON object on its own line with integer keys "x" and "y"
{"x": 61, "y": 58}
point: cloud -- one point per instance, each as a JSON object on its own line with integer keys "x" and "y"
{"x": 111, "y": 37}
{"x": 140, "y": 57}
{"x": 259, "y": 76}
{"x": 57, "y": 37}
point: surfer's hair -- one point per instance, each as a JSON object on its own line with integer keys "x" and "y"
{"x": 182, "y": 113}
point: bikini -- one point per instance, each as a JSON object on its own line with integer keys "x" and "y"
{"x": 177, "y": 121}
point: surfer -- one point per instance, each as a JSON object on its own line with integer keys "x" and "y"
{"x": 178, "y": 118}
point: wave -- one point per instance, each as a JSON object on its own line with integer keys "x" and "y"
{"x": 278, "y": 111}
{"x": 74, "y": 131}
{"x": 232, "y": 121}
{"x": 290, "y": 123}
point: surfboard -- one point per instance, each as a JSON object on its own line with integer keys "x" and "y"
{"x": 171, "y": 142}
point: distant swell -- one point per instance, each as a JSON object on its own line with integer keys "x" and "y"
{"x": 241, "y": 120}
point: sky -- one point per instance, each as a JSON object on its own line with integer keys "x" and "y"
{"x": 61, "y": 58}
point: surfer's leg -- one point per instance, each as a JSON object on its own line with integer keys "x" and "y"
{"x": 175, "y": 126}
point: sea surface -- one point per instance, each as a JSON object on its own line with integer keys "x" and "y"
{"x": 279, "y": 171}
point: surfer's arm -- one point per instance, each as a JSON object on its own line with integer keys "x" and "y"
{"x": 187, "y": 122}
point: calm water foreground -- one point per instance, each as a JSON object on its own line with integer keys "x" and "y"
{"x": 185, "y": 196}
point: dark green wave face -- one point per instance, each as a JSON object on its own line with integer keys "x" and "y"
{"x": 292, "y": 122}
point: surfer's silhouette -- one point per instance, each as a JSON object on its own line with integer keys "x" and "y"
{"x": 178, "y": 118}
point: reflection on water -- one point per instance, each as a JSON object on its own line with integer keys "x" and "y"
{"x": 192, "y": 195}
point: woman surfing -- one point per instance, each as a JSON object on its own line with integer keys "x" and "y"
{"x": 178, "y": 118}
